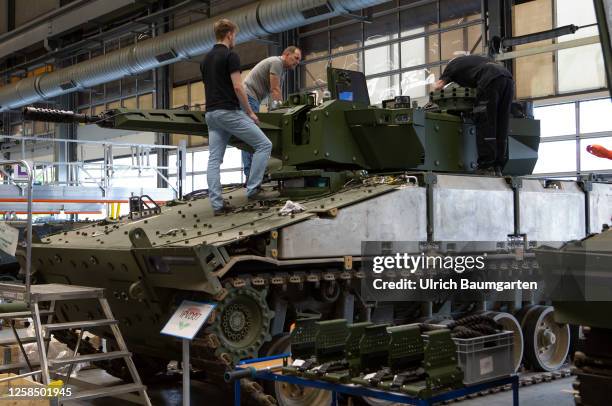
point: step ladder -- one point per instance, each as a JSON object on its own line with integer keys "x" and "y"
{"x": 52, "y": 293}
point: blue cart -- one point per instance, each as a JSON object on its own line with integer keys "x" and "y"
{"x": 244, "y": 371}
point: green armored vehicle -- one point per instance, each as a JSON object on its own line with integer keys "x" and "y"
{"x": 394, "y": 173}
{"x": 586, "y": 266}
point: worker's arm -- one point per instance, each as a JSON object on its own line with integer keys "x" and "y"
{"x": 242, "y": 96}
{"x": 275, "y": 87}
{"x": 446, "y": 77}
{"x": 439, "y": 84}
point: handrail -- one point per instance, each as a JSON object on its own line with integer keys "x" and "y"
{"x": 28, "y": 270}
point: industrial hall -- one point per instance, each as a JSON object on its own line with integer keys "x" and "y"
{"x": 305, "y": 202}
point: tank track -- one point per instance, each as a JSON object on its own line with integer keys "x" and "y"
{"x": 593, "y": 368}
{"x": 212, "y": 342}
{"x": 211, "y": 347}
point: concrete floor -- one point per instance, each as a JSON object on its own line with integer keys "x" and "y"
{"x": 558, "y": 393}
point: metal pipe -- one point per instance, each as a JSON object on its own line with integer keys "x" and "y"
{"x": 255, "y": 20}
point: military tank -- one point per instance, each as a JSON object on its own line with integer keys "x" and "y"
{"x": 9, "y": 264}
{"x": 585, "y": 265}
{"x": 399, "y": 172}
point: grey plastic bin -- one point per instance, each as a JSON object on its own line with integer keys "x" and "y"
{"x": 486, "y": 358}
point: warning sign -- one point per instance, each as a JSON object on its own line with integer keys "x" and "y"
{"x": 188, "y": 319}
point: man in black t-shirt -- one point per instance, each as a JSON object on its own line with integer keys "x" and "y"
{"x": 495, "y": 92}
{"x": 224, "y": 117}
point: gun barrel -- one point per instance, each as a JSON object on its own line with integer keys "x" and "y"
{"x": 56, "y": 116}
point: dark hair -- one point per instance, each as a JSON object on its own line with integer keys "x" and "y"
{"x": 291, "y": 49}
{"x": 223, "y": 27}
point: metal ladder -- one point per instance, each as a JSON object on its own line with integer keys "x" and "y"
{"x": 53, "y": 293}
{"x": 30, "y": 296}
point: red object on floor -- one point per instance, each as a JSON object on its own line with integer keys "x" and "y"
{"x": 599, "y": 151}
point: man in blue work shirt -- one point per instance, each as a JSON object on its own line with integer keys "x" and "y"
{"x": 495, "y": 92}
{"x": 225, "y": 96}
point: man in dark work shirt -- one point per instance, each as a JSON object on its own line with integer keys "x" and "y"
{"x": 224, "y": 117}
{"x": 495, "y": 91}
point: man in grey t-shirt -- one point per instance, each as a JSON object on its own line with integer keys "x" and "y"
{"x": 264, "y": 81}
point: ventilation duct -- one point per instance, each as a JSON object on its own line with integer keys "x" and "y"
{"x": 317, "y": 10}
{"x": 255, "y": 20}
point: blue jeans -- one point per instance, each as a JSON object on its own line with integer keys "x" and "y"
{"x": 222, "y": 124}
{"x": 247, "y": 157}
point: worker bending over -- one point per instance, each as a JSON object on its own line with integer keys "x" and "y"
{"x": 264, "y": 81}
{"x": 224, "y": 97}
{"x": 494, "y": 97}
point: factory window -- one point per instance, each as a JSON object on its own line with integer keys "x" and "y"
{"x": 128, "y": 85}
{"x": 595, "y": 116}
{"x": 130, "y": 103}
{"x": 315, "y": 46}
{"x": 381, "y": 59}
{"x": 559, "y": 156}
{"x": 16, "y": 129}
{"x": 533, "y": 74}
{"x": 407, "y": 36}
{"x": 574, "y": 74}
{"x": 145, "y": 101}
{"x": 198, "y": 98}
{"x": 400, "y": 51}
{"x": 196, "y": 166}
{"x": 423, "y": 17}
{"x": 413, "y": 51}
{"x": 564, "y": 141}
{"x": 344, "y": 39}
{"x": 180, "y": 96}
{"x": 349, "y": 61}
{"x": 28, "y": 128}
{"x": 97, "y": 93}
{"x": 313, "y": 75}
{"x": 113, "y": 105}
{"x": 112, "y": 89}
{"x": 42, "y": 128}
{"x": 382, "y": 29}
{"x": 190, "y": 96}
{"x": 559, "y": 119}
{"x": 383, "y": 88}
{"x": 562, "y": 71}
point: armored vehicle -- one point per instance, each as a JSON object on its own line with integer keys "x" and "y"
{"x": 587, "y": 265}
{"x": 9, "y": 265}
{"x": 361, "y": 173}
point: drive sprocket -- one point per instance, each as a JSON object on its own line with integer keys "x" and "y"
{"x": 242, "y": 322}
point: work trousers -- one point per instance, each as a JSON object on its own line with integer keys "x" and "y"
{"x": 247, "y": 157}
{"x": 492, "y": 122}
{"x": 222, "y": 124}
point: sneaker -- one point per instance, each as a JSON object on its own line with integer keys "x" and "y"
{"x": 227, "y": 208}
{"x": 259, "y": 194}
